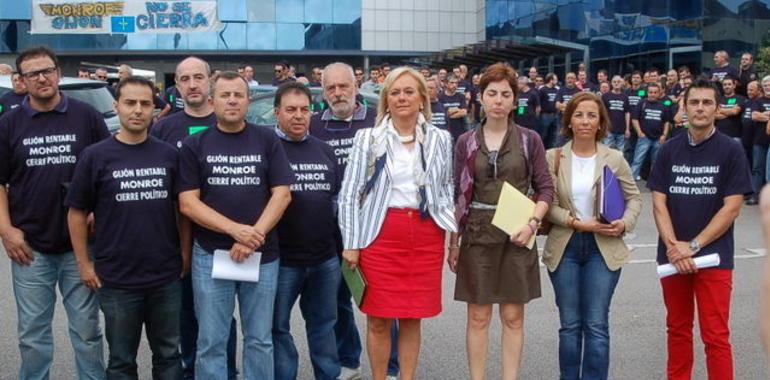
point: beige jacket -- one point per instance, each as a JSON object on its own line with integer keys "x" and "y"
{"x": 613, "y": 249}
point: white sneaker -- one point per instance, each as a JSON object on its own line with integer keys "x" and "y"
{"x": 391, "y": 377}
{"x": 350, "y": 373}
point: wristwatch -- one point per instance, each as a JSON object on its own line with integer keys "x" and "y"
{"x": 694, "y": 246}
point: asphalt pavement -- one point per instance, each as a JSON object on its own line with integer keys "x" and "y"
{"x": 637, "y": 322}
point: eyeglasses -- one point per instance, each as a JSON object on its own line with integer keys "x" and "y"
{"x": 278, "y": 71}
{"x": 47, "y": 72}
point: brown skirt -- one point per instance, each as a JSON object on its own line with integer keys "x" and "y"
{"x": 491, "y": 269}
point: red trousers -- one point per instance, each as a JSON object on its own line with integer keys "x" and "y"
{"x": 710, "y": 290}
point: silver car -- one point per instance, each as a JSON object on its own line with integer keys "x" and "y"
{"x": 261, "y": 111}
{"x": 92, "y": 92}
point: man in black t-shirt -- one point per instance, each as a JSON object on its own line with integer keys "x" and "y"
{"x": 174, "y": 99}
{"x": 563, "y": 96}
{"x": 15, "y": 97}
{"x": 234, "y": 185}
{"x": 728, "y": 117}
{"x": 698, "y": 184}
{"x": 528, "y": 105}
{"x": 549, "y": 114}
{"x": 722, "y": 67}
{"x": 438, "y": 112}
{"x": 127, "y": 182}
{"x": 40, "y": 142}
{"x": 456, "y": 107}
{"x": 755, "y": 135}
{"x": 651, "y": 122}
{"x": 309, "y": 269}
{"x": 617, "y": 106}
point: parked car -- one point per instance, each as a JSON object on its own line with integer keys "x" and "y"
{"x": 261, "y": 110}
{"x": 90, "y": 91}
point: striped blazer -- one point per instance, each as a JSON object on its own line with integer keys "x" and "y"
{"x": 361, "y": 222}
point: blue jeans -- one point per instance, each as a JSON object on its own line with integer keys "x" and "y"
{"x": 393, "y": 366}
{"x": 214, "y": 306}
{"x": 758, "y": 167}
{"x": 316, "y": 287}
{"x": 583, "y": 286}
{"x": 189, "y": 326}
{"x": 616, "y": 141}
{"x": 125, "y": 311}
{"x": 548, "y": 128}
{"x": 643, "y": 146}
{"x": 346, "y": 331}
{"x": 34, "y": 288}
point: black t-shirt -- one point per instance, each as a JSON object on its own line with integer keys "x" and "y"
{"x": 173, "y": 129}
{"x": 731, "y": 126}
{"x": 617, "y": 108}
{"x": 652, "y": 116}
{"x": 565, "y": 94}
{"x": 174, "y": 98}
{"x": 464, "y": 86}
{"x": 130, "y": 190}
{"x": 159, "y": 103}
{"x": 234, "y": 173}
{"x": 9, "y": 101}
{"x": 277, "y": 82}
{"x": 306, "y": 229}
{"x": 695, "y": 180}
{"x": 526, "y": 109}
{"x": 635, "y": 96}
{"x": 438, "y": 113}
{"x": 38, "y": 152}
{"x": 339, "y": 134}
{"x": 548, "y": 99}
{"x": 721, "y": 72}
{"x": 761, "y": 104}
{"x": 456, "y": 100}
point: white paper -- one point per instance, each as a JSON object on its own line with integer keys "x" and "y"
{"x": 703, "y": 262}
{"x": 227, "y": 269}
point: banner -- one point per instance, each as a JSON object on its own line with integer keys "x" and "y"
{"x": 130, "y": 16}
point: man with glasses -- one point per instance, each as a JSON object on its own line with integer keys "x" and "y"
{"x": 40, "y": 141}
{"x": 359, "y": 72}
{"x": 15, "y": 97}
{"x": 281, "y": 71}
{"x": 192, "y": 77}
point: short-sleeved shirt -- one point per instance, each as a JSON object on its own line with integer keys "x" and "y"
{"x": 548, "y": 99}
{"x": 565, "y": 94}
{"x": 174, "y": 99}
{"x": 235, "y": 173}
{"x": 464, "y": 86}
{"x": 456, "y": 100}
{"x": 9, "y": 101}
{"x": 38, "y": 153}
{"x": 721, "y": 72}
{"x": 308, "y": 225}
{"x": 526, "y": 108}
{"x": 695, "y": 180}
{"x": 731, "y": 126}
{"x": 617, "y": 108}
{"x": 339, "y": 134}
{"x": 761, "y": 104}
{"x": 130, "y": 190}
{"x": 173, "y": 129}
{"x": 635, "y": 96}
{"x": 438, "y": 115}
{"x": 652, "y": 117}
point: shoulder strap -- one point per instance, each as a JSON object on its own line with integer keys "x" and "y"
{"x": 558, "y": 161}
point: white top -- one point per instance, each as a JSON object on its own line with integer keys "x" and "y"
{"x": 404, "y": 185}
{"x": 583, "y": 185}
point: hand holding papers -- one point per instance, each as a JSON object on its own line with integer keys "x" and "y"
{"x": 703, "y": 262}
{"x": 513, "y": 211}
{"x": 226, "y": 269}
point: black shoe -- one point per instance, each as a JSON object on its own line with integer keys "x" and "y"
{"x": 752, "y": 202}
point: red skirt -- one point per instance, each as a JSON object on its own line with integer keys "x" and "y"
{"x": 402, "y": 267}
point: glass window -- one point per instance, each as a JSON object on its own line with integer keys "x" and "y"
{"x": 232, "y": 37}
{"x": 174, "y": 41}
{"x": 232, "y": 10}
{"x": 290, "y": 11}
{"x": 318, "y": 11}
{"x": 203, "y": 41}
{"x": 346, "y": 11}
{"x": 260, "y": 36}
{"x": 141, "y": 41}
{"x": 15, "y": 9}
{"x": 290, "y": 36}
{"x": 261, "y": 10}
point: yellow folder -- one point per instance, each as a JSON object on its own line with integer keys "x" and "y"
{"x": 513, "y": 211}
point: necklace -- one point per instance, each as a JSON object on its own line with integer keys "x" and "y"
{"x": 406, "y": 139}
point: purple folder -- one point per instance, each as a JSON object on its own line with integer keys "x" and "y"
{"x": 613, "y": 204}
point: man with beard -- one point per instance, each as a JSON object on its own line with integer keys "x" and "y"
{"x": 337, "y": 126}
{"x": 40, "y": 141}
{"x": 193, "y": 78}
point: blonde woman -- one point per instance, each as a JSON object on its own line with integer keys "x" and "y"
{"x": 396, "y": 206}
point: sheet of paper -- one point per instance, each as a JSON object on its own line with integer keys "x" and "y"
{"x": 513, "y": 211}
{"x": 227, "y": 269}
{"x": 703, "y": 262}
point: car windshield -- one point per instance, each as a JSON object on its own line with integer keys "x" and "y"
{"x": 98, "y": 97}
{"x": 261, "y": 110}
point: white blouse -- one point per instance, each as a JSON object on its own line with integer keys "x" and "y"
{"x": 404, "y": 186}
{"x": 583, "y": 185}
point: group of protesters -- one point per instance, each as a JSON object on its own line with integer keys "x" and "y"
{"x": 132, "y": 224}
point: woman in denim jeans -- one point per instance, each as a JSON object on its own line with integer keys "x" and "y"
{"x": 583, "y": 254}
